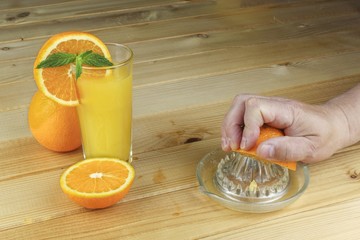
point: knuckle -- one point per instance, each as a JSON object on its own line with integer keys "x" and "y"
{"x": 312, "y": 152}
{"x": 240, "y": 98}
{"x": 251, "y": 101}
{"x": 285, "y": 152}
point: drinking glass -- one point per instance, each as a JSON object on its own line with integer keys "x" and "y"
{"x": 105, "y": 109}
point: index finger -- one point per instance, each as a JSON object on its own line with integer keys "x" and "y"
{"x": 233, "y": 122}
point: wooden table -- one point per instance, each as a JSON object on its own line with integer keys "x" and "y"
{"x": 191, "y": 58}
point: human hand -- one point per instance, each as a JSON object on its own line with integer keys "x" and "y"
{"x": 312, "y": 132}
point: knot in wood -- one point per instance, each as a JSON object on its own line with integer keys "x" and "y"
{"x": 202, "y": 35}
{"x": 191, "y": 140}
{"x": 23, "y": 14}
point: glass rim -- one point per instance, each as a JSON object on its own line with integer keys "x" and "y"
{"x": 118, "y": 64}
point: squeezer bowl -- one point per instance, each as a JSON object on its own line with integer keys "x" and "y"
{"x": 245, "y": 184}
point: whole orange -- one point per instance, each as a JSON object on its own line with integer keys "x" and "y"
{"x": 54, "y": 126}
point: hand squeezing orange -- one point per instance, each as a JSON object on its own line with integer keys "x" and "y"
{"x": 267, "y": 132}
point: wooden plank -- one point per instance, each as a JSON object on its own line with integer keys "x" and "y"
{"x": 53, "y": 19}
{"x": 58, "y": 14}
{"x": 234, "y": 56}
{"x": 305, "y": 50}
{"x": 243, "y": 58}
{"x": 165, "y": 49}
{"x": 14, "y": 124}
{"x": 17, "y": 82}
{"x": 44, "y": 195}
{"x": 190, "y": 93}
{"x": 224, "y": 87}
{"x": 200, "y": 123}
{"x": 240, "y": 54}
{"x": 152, "y": 133}
{"x": 32, "y": 155}
{"x": 12, "y": 71}
{"x": 72, "y": 9}
{"x": 249, "y": 21}
{"x": 194, "y": 222}
{"x": 11, "y": 5}
{"x": 169, "y": 171}
{"x": 305, "y": 225}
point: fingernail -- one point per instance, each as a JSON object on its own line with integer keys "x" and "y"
{"x": 225, "y": 142}
{"x": 243, "y": 143}
{"x": 267, "y": 151}
{"x": 234, "y": 146}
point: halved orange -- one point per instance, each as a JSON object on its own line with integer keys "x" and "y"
{"x": 98, "y": 182}
{"x": 267, "y": 132}
{"x": 58, "y": 83}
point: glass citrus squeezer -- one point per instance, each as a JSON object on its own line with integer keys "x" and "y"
{"x": 247, "y": 184}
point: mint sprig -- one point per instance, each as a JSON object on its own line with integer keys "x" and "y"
{"x": 89, "y": 58}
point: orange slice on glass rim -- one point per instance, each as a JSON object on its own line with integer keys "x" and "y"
{"x": 267, "y": 132}
{"x": 98, "y": 182}
{"x": 58, "y": 83}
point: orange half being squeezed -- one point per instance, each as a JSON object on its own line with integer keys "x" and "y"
{"x": 267, "y": 132}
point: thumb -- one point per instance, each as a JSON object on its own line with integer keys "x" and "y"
{"x": 286, "y": 149}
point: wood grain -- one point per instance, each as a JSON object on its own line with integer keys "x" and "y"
{"x": 191, "y": 58}
{"x": 174, "y": 194}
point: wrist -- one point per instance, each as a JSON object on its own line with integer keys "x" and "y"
{"x": 340, "y": 124}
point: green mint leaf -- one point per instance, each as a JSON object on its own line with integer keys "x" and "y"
{"x": 78, "y": 70}
{"x": 89, "y": 57}
{"x": 57, "y": 60}
{"x": 85, "y": 54}
{"x": 96, "y": 60}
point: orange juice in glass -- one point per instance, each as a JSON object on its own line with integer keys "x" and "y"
{"x": 105, "y": 109}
